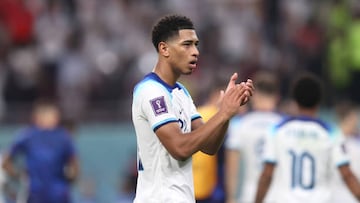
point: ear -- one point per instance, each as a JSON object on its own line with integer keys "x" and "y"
{"x": 163, "y": 49}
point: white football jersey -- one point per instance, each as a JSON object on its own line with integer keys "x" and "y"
{"x": 247, "y": 135}
{"x": 304, "y": 150}
{"x": 341, "y": 192}
{"x": 161, "y": 178}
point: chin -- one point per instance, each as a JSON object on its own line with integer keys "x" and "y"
{"x": 188, "y": 73}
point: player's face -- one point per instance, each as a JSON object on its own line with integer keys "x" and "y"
{"x": 183, "y": 51}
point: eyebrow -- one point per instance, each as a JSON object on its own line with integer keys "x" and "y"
{"x": 190, "y": 41}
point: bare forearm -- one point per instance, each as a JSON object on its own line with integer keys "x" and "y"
{"x": 185, "y": 145}
{"x": 352, "y": 183}
{"x": 215, "y": 140}
{"x": 211, "y": 134}
{"x": 263, "y": 187}
{"x": 208, "y": 136}
{"x": 354, "y": 187}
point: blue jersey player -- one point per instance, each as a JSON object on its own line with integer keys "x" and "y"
{"x": 49, "y": 157}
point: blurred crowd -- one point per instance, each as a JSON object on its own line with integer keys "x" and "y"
{"x": 88, "y": 54}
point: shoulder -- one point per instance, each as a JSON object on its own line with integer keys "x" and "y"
{"x": 181, "y": 86}
{"x": 25, "y": 133}
{"x": 151, "y": 86}
{"x": 236, "y": 120}
{"x": 266, "y": 117}
{"x": 257, "y": 119}
{"x": 299, "y": 119}
{"x": 356, "y": 139}
{"x": 63, "y": 133}
{"x": 284, "y": 123}
{"x": 63, "y": 137}
{"x": 22, "y": 136}
{"x": 236, "y": 125}
{"x": 315, "y": 125}
{"x": 148, "y": 86}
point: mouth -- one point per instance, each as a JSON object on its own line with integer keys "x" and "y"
{"x": 193, "y": 64}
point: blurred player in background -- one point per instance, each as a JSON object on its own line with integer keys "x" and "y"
{"x": 347, "y": 114}
{"x": 50, "y": 159}
{"x": 169, "y": 130}
{"x": 303, "y": 149}
{"x": 245, "y": 141}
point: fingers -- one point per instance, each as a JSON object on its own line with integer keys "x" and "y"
{"x": 244, "y": 94}
{"x": 250, "y": 85}
{"x": 232, "y": 82}
{"x": 234, "y": 77}
{"x": 221, "y": 96}
{"x": 244, "y": 90}
{"x": 234, "y": 98}
{"x": 241, "y": 92}
{"x": 222, "y": 93}
{"x": 244, "y": 101}
{"x": 249, "y": 92}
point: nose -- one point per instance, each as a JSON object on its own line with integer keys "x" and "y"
{"x": 196, "y": 51}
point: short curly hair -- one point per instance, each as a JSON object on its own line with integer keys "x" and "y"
{"x": 307, "y": 90}
{"x": 169, "y": 26}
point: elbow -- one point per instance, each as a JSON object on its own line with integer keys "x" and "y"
{"x": 210, "y": 151}
{"x": 180, "y": 157}
{"x": 181, "y": 154}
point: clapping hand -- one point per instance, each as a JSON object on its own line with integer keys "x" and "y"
{"x": 232, "y": 83}
{"x": 235, "y": 95}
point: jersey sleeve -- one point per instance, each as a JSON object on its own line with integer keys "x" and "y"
{"x": 269, "y": 155}
{"x": 339, "y": 153}
{"x": 193, "y": 110}
{"x": 233, "y": 140}
{"x": 155, "y": 105}
{"x": 194, "y": 113}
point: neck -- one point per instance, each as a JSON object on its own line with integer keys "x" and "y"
{"x": 311, "y": 112}
{"x": 264, "y": 102}
{"x": 164, "y": 71}
{"x": 266, "y": 106}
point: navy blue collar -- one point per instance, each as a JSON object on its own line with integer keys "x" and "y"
{"x": 155, "y": 77}
{"x": 306, "y": 118}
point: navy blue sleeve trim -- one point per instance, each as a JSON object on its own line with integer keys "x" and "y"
{"x": 140, "y": 166}
{"x": 270, "y": 162}
{"x": 157, "y": 127}
{"x": 196, "y": 117}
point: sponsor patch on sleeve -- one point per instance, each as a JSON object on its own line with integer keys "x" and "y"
{"x": 158, "y": 105}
